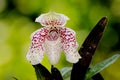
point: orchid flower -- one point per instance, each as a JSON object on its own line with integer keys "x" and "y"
{"x": 52, "y": 39}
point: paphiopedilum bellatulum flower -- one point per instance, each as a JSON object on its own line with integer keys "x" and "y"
{"x": 52, "y": 39}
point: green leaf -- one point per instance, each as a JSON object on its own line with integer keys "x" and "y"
{"x": 100, "y": 66}
{"x": 66, "y": 72}
{"x": 42, "y": 73}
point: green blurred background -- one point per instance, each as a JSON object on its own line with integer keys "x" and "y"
{"x": 17, "y": 23}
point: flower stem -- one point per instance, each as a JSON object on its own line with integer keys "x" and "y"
{"x": 56, "y": 73}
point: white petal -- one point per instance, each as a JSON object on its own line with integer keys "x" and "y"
{"x": 72, "y": 55}
{"x": 69, "y": 44}
{"x": 53, "y": 50}
{"x": 52, "y": 19}
{"x": 35, "y": 55}
{"x": 36, "y": 50}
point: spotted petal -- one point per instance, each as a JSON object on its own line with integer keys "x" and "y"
{"x": 52, "y": 19}
{"x": 36, "y": 50}
{"x": 69, "y": 45}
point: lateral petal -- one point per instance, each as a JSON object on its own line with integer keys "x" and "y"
{"x": 36, "y": 50}
{"x": 69, "y": 44}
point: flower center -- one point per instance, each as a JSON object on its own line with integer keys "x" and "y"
{"x": 53, "y": 35}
